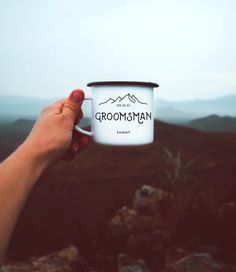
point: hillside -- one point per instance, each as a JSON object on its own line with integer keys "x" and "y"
{"x": 74, "y": 201}
{"x": 12, "y": 133}
{"x": 214, "y": 123}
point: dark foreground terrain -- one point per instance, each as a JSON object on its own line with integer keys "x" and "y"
{"x": 189, "y": 207}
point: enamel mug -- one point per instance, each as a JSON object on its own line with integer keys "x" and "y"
{"x": 122, "y": 112}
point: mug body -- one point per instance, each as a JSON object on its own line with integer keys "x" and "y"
{"x": 122, "y": 114}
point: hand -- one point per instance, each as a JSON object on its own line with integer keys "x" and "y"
{"x": 53, "y": 135}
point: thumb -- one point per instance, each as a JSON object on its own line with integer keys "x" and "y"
{"x": 73, "y": 104}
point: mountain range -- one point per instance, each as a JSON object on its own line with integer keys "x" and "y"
{"x": 125, "y": 99}
{"x": 197, "y": 108}
{"x": 15, "y": 107}
{"x": 214, "y": 123}
{"x": 22, "y": 107}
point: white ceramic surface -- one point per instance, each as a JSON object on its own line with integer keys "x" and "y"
{"x": 121, "y": 114}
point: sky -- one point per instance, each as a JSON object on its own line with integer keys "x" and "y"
{"x": 50, "y": 47}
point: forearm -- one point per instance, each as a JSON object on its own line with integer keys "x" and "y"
{"x": 18, "y": 174}
{"x": 43, "y": 147}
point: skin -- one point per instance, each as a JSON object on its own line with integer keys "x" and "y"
{"x": 52, "y": 138}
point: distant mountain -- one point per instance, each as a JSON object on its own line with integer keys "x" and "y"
{"x": 214, "y": 123}
{"x": 172, "y": 115}
{"x": 22, "y": 124}
{"x": 128, "y": 98}
{"x": 224, "y": 105}
{"x": 21, "y": 107}
{"x": 15, "y": 107}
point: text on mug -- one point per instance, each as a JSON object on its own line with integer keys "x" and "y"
{"x": 123, "y": 116}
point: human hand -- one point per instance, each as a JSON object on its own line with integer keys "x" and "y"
{"x": 53, "y": 136}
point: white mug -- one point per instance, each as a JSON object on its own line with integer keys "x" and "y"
{"x": 122, "y": 112}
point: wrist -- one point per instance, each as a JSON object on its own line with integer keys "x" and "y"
{"x": 33, "y": 156}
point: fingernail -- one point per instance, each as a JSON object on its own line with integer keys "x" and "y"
{"x": 77, "y": 96}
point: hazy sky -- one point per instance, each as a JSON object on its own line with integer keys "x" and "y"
{"x": 49, "y": 47}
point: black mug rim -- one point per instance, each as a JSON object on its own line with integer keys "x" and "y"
{"x": 120, "y": 83}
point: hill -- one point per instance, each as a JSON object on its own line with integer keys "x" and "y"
{"x": 224, "y": 105}
{"x": 74, "y": 201}
{"x": 214, "y": 123}
{"x": 13, "y": 133}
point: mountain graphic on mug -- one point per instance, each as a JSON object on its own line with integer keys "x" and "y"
{"x": 125, "y": 99}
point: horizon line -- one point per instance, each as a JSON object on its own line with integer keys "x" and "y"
{"x": 155, "y": 97}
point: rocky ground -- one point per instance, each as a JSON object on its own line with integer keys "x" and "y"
{"x": 144, "y": 239}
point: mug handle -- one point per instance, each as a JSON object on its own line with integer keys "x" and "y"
{"x": 79, "y": 129}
